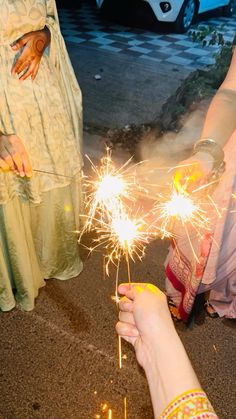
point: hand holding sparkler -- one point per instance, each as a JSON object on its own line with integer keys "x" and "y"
{"x": 193, "y": 172}
{"x": 143, "y": 309}
{"x": 145, "y": 322}
{"x": 14, "y": 156}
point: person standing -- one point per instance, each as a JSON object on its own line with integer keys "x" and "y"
{"x": 213, "y": 271}
{"x": 40, "y": 153}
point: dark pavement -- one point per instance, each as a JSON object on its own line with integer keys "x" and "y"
{"x": 60, "y": 361}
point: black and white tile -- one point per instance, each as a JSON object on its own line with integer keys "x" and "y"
{"x": 85, "y": 27}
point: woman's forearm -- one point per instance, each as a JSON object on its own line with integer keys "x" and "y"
{"x": 220, "y": 121}
{"x": 168, "y": 370}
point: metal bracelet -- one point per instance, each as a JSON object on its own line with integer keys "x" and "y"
{"x": 209, "y": 146}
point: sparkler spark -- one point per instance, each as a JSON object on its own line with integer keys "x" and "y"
{"x": 109, "y": 197}
{"x": 107, "y": 190}
{"x": 109, "y": 202}
{"x": 121, "y": 237}
{"x": 180, "y": 208}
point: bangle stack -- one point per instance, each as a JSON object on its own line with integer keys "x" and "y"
{"x": 208, "y": 145}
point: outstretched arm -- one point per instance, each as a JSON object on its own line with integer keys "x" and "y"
{"x": 220, "y": 120}
{"x": 145, "y": 322}
{"x": 220, "y": 123}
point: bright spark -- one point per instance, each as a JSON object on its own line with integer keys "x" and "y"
{"x": 122, "y": 236}
{"x": 181, "y": 208}
{"x": 125, "y": 230}
{"x": 107, "y": 190}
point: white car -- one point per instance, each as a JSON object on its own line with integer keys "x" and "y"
{"x": 181, "y": 12}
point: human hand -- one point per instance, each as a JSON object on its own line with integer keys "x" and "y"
{"x": 143, "y": 318}
{"x": 13, "y": 156}
{"x": 33, "y": 44}
{"x": 193, "y": 172}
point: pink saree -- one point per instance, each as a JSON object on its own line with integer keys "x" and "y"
{"x": 214, "y": 266}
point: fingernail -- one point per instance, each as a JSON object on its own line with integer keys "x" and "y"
{"x": 22, "y": 174}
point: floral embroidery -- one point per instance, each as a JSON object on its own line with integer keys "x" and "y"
{"x": 191, "y": 404}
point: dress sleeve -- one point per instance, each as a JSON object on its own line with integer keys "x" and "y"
{"x": 59, "y": 57}
{"x": 193, "y": 403}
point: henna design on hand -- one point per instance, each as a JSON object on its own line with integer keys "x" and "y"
{"x": 34, "y": 45}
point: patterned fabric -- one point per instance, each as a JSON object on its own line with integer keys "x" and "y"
{"x": 47, "y": 113}
{"x": 194, "y": 266}
{"x": 192, "y": 404}
{"x": 39, "y": 216}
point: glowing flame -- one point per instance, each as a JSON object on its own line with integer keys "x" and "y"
{"x": 106, "y": 191}
{"x": 180, "y": 206}
{"x": 126, "y": 231}
{"x": 109, "y": 188}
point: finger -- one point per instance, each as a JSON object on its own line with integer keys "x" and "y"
{"x": 20, "y": 156}
{"x": 27, "y": 168}
{"x": 20, "y": 65}
{"x": 10, "y": 162}
{"x": 126, "y": 305}
{"x": 126, "y": 317}
{"x": 126, "y": 329}
{"x": 129, "y": 339}
{"x": 18, "y": 164}
{"x": 131, "y": 290}
{"x": 21, "y": 42}
{"x": 13, "y": 159}
{"x": 124, "y": 288}
{"x": 4, "y": 166}
{"x": 35, "y": 71}
{"x": 28, "y": 72}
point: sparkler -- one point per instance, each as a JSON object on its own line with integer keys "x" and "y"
{"x": 109, "y": 197}
{"x": 180, "y": 210}
{"x": 179, "y": 207}
{"x": 121, "y": 237}
{"x": 107, "y": 191}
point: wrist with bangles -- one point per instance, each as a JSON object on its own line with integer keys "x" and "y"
{"x": 208, "y": 145}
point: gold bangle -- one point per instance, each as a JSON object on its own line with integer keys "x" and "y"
{"x": 210, "y": 146}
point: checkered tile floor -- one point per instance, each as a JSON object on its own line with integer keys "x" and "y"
{"x": 86, "y": 27}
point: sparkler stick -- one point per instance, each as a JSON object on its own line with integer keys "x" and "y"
{"x": 120, "y": 351}
{"x": 125, "y": 408}
{"x": 52, "y": 173}
{"x": 117, "y": 302}
{"x": 127, "y": 263}
{"x": 120, "y": 235}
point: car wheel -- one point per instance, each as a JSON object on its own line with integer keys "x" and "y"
{"x": 186, "y": 16}
{"x": 228, "y": 10}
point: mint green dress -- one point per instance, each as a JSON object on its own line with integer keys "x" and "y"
{"x": 39, "y": 216}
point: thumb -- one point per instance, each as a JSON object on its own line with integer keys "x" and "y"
{"x": 19, "y": 43}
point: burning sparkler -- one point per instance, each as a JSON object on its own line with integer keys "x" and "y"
{"x": 180, "y": 207}
{"x": 109, "y": 197}
{"x": 121, "y": 237}
{"x": 179, "y": 212}
{"x": 109, "y": 191}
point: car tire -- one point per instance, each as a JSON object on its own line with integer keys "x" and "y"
{"x": 228, "y": 10}
{"x": 186, "y": 16}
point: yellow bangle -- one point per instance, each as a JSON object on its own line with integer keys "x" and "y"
{"x": 192, "y": 403}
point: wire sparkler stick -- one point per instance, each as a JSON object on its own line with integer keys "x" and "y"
{"x": 125, "y": 408}
{"x": 108, "y": 201}
{"x": 52, "y": 173}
